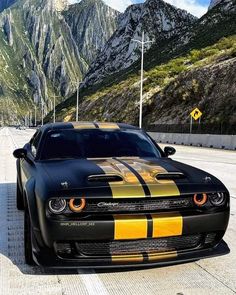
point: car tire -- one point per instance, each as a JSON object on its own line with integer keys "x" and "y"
{"x": 28, "y": 239}
{"x": 19, "y": 197}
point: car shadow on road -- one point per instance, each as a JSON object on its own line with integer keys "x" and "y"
{"x": 12, "y": 235}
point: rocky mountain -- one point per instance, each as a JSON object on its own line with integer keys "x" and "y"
{"x": 160, "y": 21}
{"x": 39, "y": 55}
{"x": 118, "y": 55}
{"x": 91, "y": 38}
{"x": 214, "y": 3}
{"x": 196, "y": 68}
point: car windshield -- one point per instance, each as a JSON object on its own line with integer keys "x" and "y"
{"x": 98, "y": 144}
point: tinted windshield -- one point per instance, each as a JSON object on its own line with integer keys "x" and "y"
{"x": 98, "y": 144}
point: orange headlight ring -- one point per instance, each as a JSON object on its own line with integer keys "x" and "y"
{"x": 77, "y": 208}
{"x": 201, "y": 202}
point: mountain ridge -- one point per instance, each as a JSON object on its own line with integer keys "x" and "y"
{"x": 160, "y": 21}
{"x": 39, "y": 55}
{"x": 213, "y": 3}
{"x": 207, "y": 48}
{"x": 78, "y": 17}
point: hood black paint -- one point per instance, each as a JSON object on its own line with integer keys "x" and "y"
{"x": 76, "y": 172}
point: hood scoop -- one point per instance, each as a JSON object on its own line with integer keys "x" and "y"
{"x": 105, "y": 178}
{"x": 170, "y": 176}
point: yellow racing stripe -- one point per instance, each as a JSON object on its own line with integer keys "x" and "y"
{"x": 162, "y": 256}
{"x": 83, "y": 125}
{"x": 129, "y": 188}
{"x": 108, "y": 126}
{"x": 167, "y": 225}
{"x": 148, "y": 172}
{"x": 127, "y": 258}
{"x": 152, "y": 257}
{"x": 130, "y": 227}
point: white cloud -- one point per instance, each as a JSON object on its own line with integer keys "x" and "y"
{"x": 190, "y": 5}
{"x": 119, "y": 5}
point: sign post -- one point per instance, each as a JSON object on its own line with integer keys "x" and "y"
{"x": 191, "y": 124}
{"x": 195, "y": 114}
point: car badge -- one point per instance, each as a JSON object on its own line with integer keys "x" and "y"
{"x": 64, "y": 185}
{"x": 104, "y": 204}
{"x": 207, "y": 179}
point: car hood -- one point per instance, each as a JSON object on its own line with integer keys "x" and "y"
{"x": 127, "y": 178}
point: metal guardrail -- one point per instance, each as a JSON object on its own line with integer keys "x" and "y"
{"x": 203, "y": 128}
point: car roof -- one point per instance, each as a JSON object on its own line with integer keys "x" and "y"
{"x": 86, "y": 125}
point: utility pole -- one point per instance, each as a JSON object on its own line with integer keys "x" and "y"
{"x": 51, "y": 105}
{"x": 35, "y": 115}
{"x": 42, "y": 113}
{"x": 54, "y": 109}
{"x": 77, "y": 100}
{"x": 31, "y": 118}
{"x": 141, "y": 87}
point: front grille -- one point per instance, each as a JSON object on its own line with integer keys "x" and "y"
{"x": 138, "y": 205}
{"x": 139, "y": 246}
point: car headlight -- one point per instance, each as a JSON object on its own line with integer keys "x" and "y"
{"x": 217, "y": 199}
{"x": 57, "y": 206}
{"x": 200, "y": 199}
{"x": 77, "y": 205}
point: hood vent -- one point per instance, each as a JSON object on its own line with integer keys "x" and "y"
{"x": 170, "y": 176}
{"x": 105, "y": 178}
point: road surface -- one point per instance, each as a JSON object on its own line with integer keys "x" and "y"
{"x": 210, "y": 276}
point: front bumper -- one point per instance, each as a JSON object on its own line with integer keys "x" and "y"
{"x": 52, "y": 261}
{"x": 134, "y": 228}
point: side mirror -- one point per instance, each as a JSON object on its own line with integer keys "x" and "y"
{"x": 169, "y": 151}
{"x": 20, "y": 153}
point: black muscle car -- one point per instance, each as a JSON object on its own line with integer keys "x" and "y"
{"x": 106, "y": 195}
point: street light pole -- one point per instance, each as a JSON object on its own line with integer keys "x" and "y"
{"x": 35, "y": 115}
{"x": 42, "y": 113}
{"x": 141, "y": 87}
{"x": 30, "y": 119}
{"x": 77, "y": 100}
{"x": 54, "y": 109}
{"x": 51, "y": 105}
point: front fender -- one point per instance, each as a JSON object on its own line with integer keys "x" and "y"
{"x": 19, "y": 175}
{"x": 30, "y": 202}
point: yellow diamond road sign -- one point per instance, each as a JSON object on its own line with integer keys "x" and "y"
{"x": 196, "y": 114}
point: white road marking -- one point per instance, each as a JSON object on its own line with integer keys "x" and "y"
{"x": 92, "y": 282}
{"x": 13, "y": 139}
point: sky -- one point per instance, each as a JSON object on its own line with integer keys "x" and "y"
{"x": 196, "y": 7}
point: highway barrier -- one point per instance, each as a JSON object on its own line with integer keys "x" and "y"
{"x": 200, "y": 140}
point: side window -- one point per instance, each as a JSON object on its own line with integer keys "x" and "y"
{"x": 35, "y": 143}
